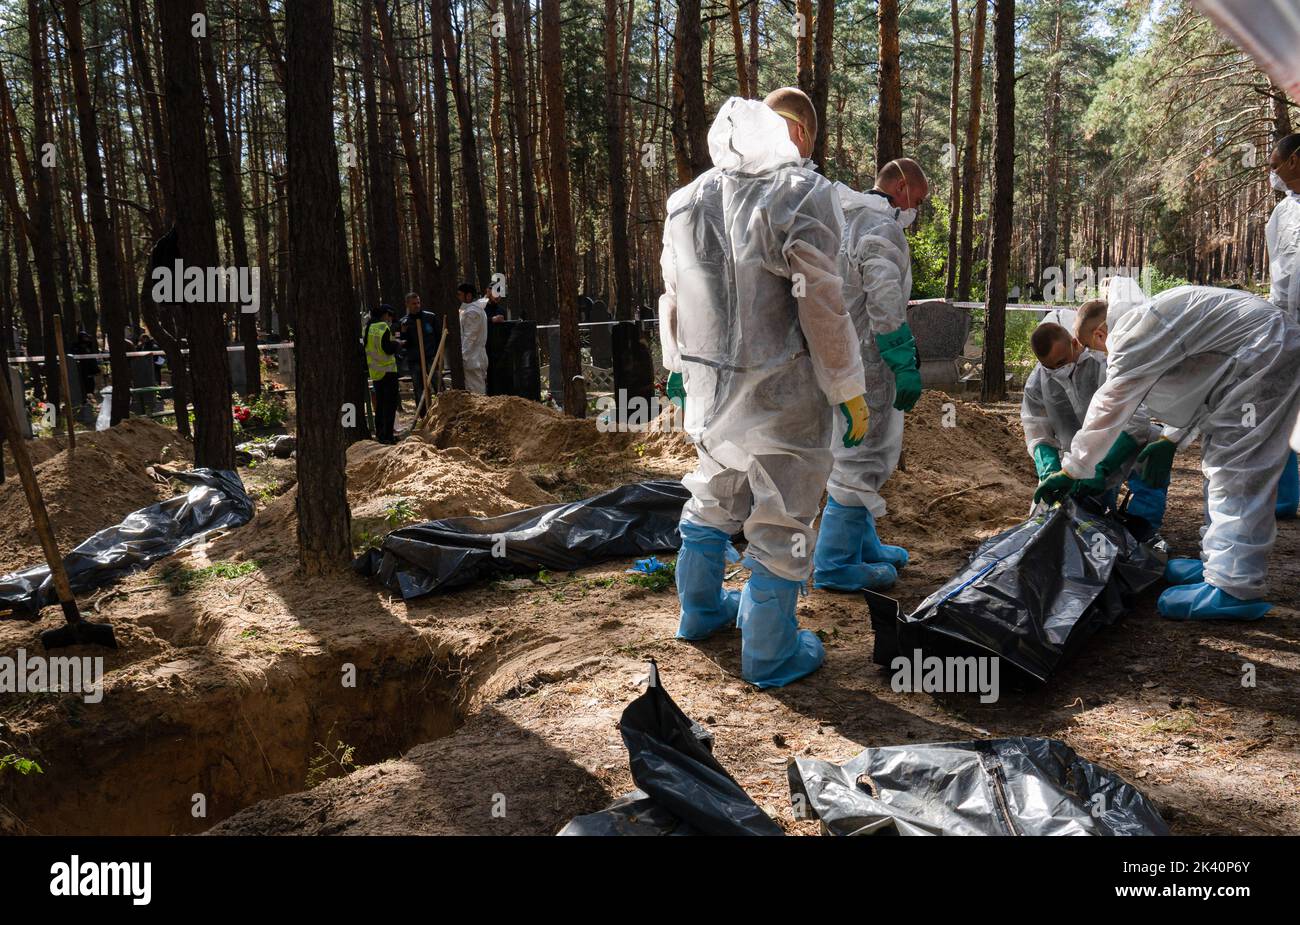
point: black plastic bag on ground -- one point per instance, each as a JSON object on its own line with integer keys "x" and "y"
{"x": 1031, "y": 595}
{"x": 624, "y": 522}
{"x": 216, "y": 500}
{"x": 683, "y": 788}
{"x": 1015, "y": 786}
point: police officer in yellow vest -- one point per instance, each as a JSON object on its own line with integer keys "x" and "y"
{"x": 381, "y": 360}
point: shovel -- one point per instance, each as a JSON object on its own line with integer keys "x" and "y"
{"x": 77, "y": 630}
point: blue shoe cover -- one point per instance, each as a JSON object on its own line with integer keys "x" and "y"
{"x": 773, "y": 650}
{"x": 1184, "y": 571}
{"x": 701, "y": 564}
{"x": 837, "y": 557}
{"x": 1206, "y": 602}
{"x": 875, "y": 551}
{"x": 1147, "y": 502}
{"x": 1288, "y": 490}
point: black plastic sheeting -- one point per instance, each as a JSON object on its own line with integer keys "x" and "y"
{"x": 624, "y": 522}
{"x": 1015, "y": 786}
{"x": 216, "y": 500}
{"x": 1031, "y": 595}
{"x": 683, "y": 788}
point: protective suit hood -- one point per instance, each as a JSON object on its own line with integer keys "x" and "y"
{"x": 852, "y": 200}
{"x": 1122, "y": 296}
{"x": 749, "y": 137}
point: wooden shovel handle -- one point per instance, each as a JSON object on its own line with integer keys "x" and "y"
{"x": 23, "y": 462}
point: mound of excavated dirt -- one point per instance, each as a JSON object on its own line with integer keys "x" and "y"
{"x": 522, "y": 432}
{"x": 434, "y": 483}
{"x": 964, "y": 473}
{"x": 91, "y": 488}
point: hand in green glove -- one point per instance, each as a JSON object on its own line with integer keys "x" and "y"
{"x": 1156, "y": 462}
{"x": 1117, "y": 457}
{"x": 1047, "y": 459}
{"x": 1055, "y": 487}
{"x": 676, "y": 390}
{"x": 898, "y": 350}
{"x": 855, "y": 417}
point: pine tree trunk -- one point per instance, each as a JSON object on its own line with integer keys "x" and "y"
{"x": 994, "y": 386}
{"x": 889, "y": 134}
{"x": 536, "y": 300}
{"x": 232, "y": 198}
{"x": 954, "y": 177}
{"x": 737, "y": 44}
{"x": 41, "y": 183}
{"x": 442, "y": 299}
{"x": 107, "y": 263}
{"x": 214, "y": 444}
{"x": 321, "y": 290}
{"x": 480, "y": 244}
{"x": 1052, "y": 175}
{"x": 381, "y": 198}
{"x": 619, "y": 253}
{"x": 690, "y": 123}
{"x": 821, "y": 81}
{"x": 575, "y": 393}
{"x": 970, "y": 158}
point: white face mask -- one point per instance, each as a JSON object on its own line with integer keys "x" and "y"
{"x": 1277, "y": 182}
{"x": 1061, "y": 373}
{"x": 905, "y": 217}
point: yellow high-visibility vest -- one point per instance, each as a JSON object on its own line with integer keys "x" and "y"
{"x": 379, "y": 363}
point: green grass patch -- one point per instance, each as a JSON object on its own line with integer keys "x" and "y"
{"x": 181, "y": 579}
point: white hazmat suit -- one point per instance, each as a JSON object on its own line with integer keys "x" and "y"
{"x": 753, "y": 317}
{"x": 1224, "y": 362}
{"x": 1282, "y": 238}
{"x": 1055, "y": 401}
{"x": 473, "y": 344}
{"x": 876, "y": 265}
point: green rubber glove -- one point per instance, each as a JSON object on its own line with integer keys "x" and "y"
{"x": 1055, "y": 487}
{"x": 1156, "y": 462}
{"x": 1047, "y": 459}
{"x": 898, "y": 350}
{"x": 1120, "y": 452}
{"x": 676, "y": 390}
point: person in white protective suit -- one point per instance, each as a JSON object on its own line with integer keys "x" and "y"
{"x": 1055, "y": 402}
{"x": 473, "y": 337}
{"x": 876, "y": 265}
{"x": 1282, "y": 240}
{"x": 753, "y": 319}
{"x": 1223, "y": 362}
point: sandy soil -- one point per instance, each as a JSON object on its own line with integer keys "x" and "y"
{"x": 495, "y": 709}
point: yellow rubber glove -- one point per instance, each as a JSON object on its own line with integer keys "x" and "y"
{"x": 856, "y": 414}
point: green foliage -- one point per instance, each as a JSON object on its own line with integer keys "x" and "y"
{"x": 399, "y": 512}
{"x": 20, "y": 764}
{"x": 655, "y": 582}
{"x": 1160, "y": 281}
{"x": 929, "y": 245}
{"x": 338, "y": 760}
{"x": 181, "y": 579}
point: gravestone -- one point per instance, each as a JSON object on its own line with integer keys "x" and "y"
{"x": 20, "y": 406}
{"x": 145, "y": 403}
{"x": 512, "y": 360}
{"x": 940, "y": 330}
{"x": 602, "y": 349}
{"x": 238, "y": 381}
{"x": 634, "y": 369}
{"x": 555, "y": 381}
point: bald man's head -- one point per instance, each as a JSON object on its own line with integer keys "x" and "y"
{"x": 904, "y": 181}
{"x": 793, "y": 105}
